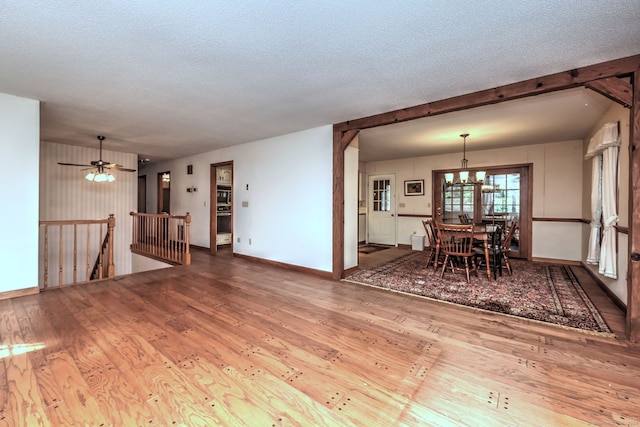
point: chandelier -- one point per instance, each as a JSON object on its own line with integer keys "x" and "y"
{"x": 99, "y": 175}
{"x": 463, "y": 174}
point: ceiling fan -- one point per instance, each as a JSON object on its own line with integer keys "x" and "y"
{"x": 98, "y": 173}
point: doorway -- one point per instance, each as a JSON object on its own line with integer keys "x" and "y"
{"x": 142, "y": 194}
{"x": 504, "y": 196}
{"x": 221, "y": 206}
{"x": 382, "y": 210}
{"x": 164, "y": 192}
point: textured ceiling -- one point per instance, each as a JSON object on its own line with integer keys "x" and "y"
{"x": 557, "y": 116}
{"x": 166, "y": 79}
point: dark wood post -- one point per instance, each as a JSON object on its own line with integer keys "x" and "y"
{"x": 111, "y": 268}
{"x": 633, "y": 271}
{"x": 187, "y": 254}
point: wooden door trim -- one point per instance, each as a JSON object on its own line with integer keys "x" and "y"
{"x": 619, "y": 68}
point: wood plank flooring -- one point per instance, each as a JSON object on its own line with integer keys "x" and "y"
{"x": 228, "y": 341}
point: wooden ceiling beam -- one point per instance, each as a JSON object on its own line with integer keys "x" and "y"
{"x": 347, "y": 137}
{"x": 614, "y": 88}
{"x": 559, "y": 81}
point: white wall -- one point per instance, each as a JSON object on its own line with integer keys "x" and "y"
{"x": 557, "y": 191}
{"x": 65, "y": 194}
{"x": 19, "y": 145}
{"x": 350, "y": 207}
{"x": 289, "y": 195}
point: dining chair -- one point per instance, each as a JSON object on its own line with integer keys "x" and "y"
{"x": 432, "y": 239}
{"x": 464, "y": 218}
{"x": 495, "y": 248}
{"x": 506, "y": 246}
{"x": 456, "y": 242}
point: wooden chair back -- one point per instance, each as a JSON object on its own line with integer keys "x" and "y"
{"x": 456, "y": 239}
{"x": 430, "y": 231}
{"x": 506, "y": 244}
{"x": 464, "y": 218}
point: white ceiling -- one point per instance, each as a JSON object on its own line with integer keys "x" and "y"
{"x": 166, "y": 79}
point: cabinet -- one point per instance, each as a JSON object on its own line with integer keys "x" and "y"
{"x": 223, "y": 238}
{"x": 223, "y": 176}
{"x": 224, "y": 205}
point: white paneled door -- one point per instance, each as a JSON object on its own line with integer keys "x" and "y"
{"x": 382, "y": 209}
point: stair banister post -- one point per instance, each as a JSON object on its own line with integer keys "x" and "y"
{"x": 111, "y": 268}
{"x": 187, "y": 254}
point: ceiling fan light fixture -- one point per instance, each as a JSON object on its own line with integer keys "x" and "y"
{"x": 99, "y": 169}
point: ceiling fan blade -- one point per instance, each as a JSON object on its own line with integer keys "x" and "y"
{"x": 100, "y": 164}
{"x": 71, "y": 164}
{"x": 118, "y": 167}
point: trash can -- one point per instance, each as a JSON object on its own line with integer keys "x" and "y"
{"x": 417, "y": 242}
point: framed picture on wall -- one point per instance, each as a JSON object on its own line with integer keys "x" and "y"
{"x": 414, "y": 187}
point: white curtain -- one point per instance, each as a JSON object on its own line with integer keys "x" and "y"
{"x": 487, "y": 203}
{"x": 608, "y": 255}
{"x": 603, "y": 148}
{"x": 593, "y": 255}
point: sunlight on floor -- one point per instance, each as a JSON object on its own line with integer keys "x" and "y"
{"x": 17, "y": 349}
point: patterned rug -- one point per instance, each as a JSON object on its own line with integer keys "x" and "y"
{"x": 539, "y": 291}
{"x": 371, "y": 248}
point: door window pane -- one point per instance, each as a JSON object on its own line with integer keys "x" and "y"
{"x": 501, "y": 201}
{"x": 382, "y": 195}
{"x": 458, "y": 200}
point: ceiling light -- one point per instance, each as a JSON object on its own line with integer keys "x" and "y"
{"x": 99, "y": 175}
{"x": 463, "y": 173}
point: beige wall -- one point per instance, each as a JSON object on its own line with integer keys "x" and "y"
{"x": 557, "y": 191}
{"x": 617, "y": 286}
{"x": 65, "y": 194}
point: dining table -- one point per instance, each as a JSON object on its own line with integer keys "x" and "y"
{"x": 481, "y": 233}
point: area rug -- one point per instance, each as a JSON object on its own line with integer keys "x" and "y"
{"x": 371, "y": 248}
{"x": 539, "y": 291}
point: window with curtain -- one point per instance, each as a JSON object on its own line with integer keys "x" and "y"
{"x": 604, "y": 148}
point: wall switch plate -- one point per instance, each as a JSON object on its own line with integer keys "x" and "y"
{"x": 245, "y": 204}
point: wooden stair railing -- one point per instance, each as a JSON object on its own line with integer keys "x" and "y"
{"x": 101, "y": 270}
{"x": 162, "y": 237}
{"x": 75, "y": 241}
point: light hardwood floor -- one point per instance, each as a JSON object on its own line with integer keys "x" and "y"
{"x": 229, "y": 341}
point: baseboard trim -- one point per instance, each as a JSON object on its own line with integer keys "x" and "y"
{"x": 19, "y": 293}
{"x": 319, "y": 273}
{"x": 617, "y": 301}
